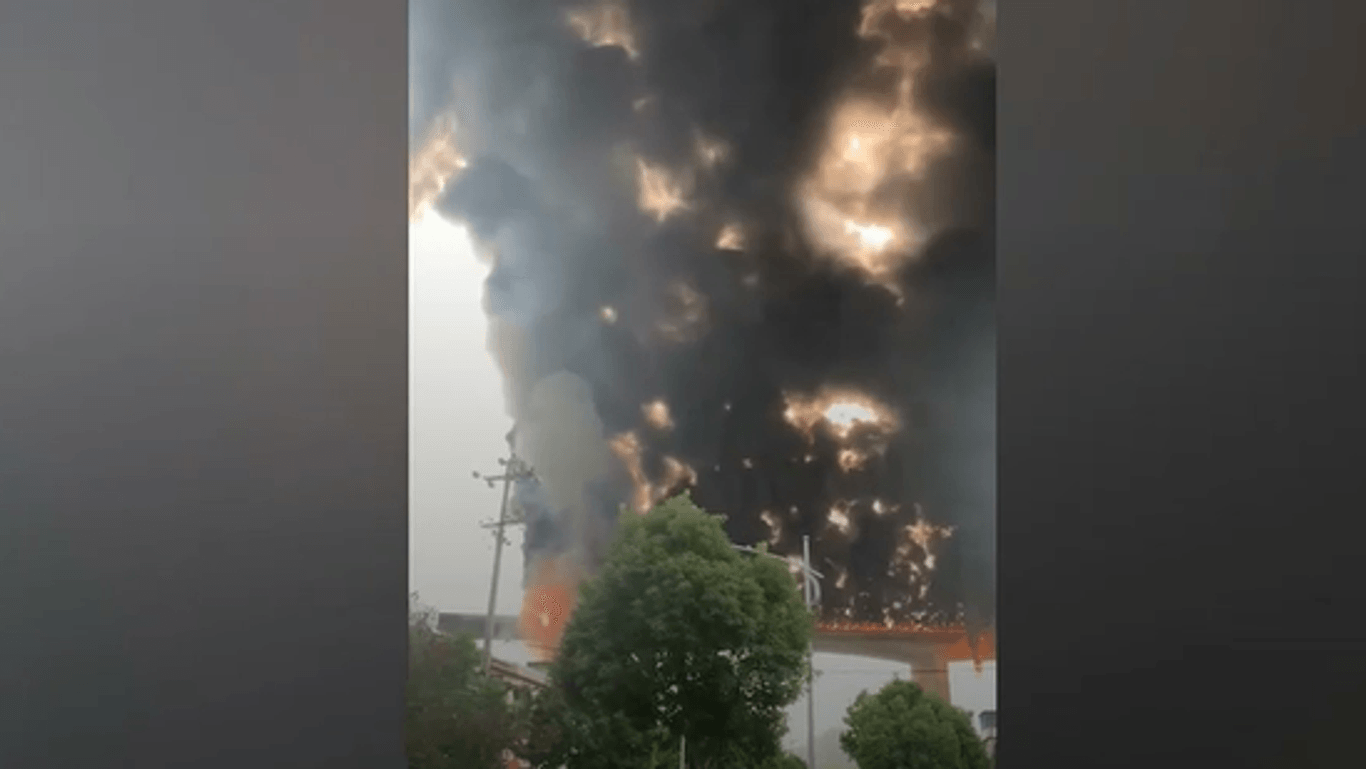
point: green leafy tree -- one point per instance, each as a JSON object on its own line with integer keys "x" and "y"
{"x": 457, "y": 718}
{"x": 679, "y": 635}
{"x": 902, "y": 727}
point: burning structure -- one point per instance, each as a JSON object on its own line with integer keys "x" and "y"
{"x": 743, "y": 248}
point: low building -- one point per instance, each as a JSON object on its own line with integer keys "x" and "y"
{"x": 986, "y": 726}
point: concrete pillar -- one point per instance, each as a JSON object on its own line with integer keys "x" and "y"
{"x": 931, "y": 672}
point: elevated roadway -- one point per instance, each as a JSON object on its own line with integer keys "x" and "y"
{"x": 926, "y": 650}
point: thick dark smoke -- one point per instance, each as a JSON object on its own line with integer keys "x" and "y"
{"x": 601, "y": 306}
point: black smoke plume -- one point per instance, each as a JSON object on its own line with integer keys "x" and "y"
{"x": 601, "y": 306}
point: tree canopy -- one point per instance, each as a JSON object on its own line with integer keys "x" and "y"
{"x": 677, "y": 635}
{"x": 457, "y": 718}
{"x": 902, "y": 727}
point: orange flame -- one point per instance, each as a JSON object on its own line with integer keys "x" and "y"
{"x": 551, "y": 596}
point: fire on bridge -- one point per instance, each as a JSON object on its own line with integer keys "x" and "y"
{"x": 927, "y": 649}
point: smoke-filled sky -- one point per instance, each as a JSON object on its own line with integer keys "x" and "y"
{"x": 738, "y": 247}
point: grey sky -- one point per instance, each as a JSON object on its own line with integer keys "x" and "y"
{"x": 458, "y": 425}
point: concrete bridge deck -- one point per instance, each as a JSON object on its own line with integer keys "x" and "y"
{"x": 926, "y": 650}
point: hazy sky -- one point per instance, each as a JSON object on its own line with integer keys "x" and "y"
{"x": 458, "y": 425}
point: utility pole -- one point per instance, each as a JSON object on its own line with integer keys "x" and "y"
{"x": 514, "y": 469}
{"x": 809, "y": 583}
{"x": 811, "y": 589}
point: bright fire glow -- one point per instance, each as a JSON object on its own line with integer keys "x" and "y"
{"x": 838, "y": 412}
{"x": 852, "y": 459}
{"x": 858, "y": 423}
{"x": 677, "y": 473}
{"x": 879, "y": 13}
{"x": 551, "y": 594}
{"x": 921, "y": 535}
{"x": 657, "y": 414}
{"x": 604, "y": 25}
{"x": 870, "y": 236}
{"x": 839, "y": 518}
{"x": 659, "y": 193}
{"x": 626, "y": 446}
{"x": 731, "y": 238}
{"x": 431, "y": 167}
{"x": 872, "y": 144}
{"x": 645, "y": 493}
